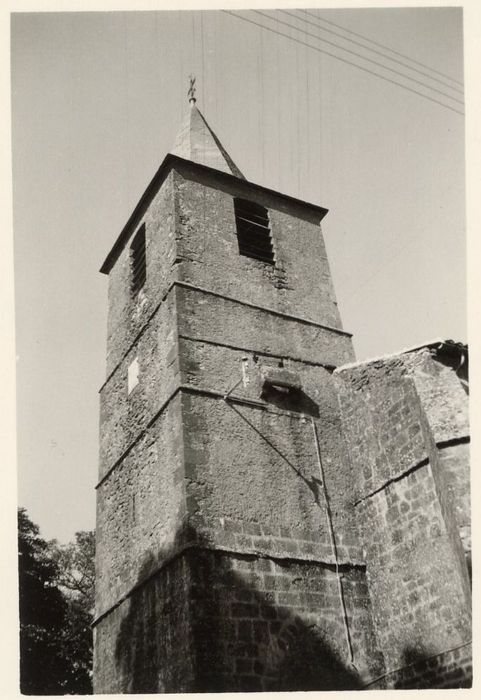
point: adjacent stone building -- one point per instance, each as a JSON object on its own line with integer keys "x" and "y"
{"x": 271, "y": 515}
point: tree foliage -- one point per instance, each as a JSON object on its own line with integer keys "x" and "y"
{"x": 76, "y": 567}
{"x": 76, "y": 578}
{"x": 56, "y": 605}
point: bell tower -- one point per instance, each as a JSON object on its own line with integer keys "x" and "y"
{"x": 221, "y": 453}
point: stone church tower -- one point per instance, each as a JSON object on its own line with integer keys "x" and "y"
{"x": 266, "y": 521}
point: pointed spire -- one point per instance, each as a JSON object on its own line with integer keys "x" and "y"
{"x": 197, "y": 142}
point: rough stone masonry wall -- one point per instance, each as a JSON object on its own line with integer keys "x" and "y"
{"x": 123, "y": 415}
{"x": 445, "y": 402}
{"x": 128, "y": 315}
{"x": 133, "y": 441}
{"x": 218, "y": 621}
{"x": 221, "y": 321}
{"x": 417, "y": 575}
{"x": 257, "y": 495}
{"x": 299, "y": 283}
{"x": 139, "y": 499}
{"x": 267, "y": 470}
{"x": 172, "y": 489}
{"x": 272, "y": 624}
{"x": 145, "y": 645}
{"x": 216, "y": 566}
{"x": 455, "y": 464}
{"x": 441, "y": 393}
{"x": 254, "y": 491}
{"x": 140, "y": 495}
{"x": 140, "y": 509}
{"x": 453, "y": 669}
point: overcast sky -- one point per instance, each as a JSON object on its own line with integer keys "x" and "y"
{"x": 97, "y": 99}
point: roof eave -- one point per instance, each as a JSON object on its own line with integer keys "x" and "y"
{"x": 164, "y": 168}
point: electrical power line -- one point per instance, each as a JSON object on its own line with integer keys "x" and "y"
{"x": 385, "y": 263}
{"x": 368, "y": 48}
{"x": 345, "y": 60}
{"x": 364, "y": 58}
{"x": 383, "y": 46}
{"x": 279, "y": 169}
{"x": 308, "y": 111}
{"x": 298, "y": 129}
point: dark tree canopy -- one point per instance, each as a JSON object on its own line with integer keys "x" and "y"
{"x": 76, "y": 567}
{"x": 55, "y": 633}
{"x": 76, "y": 578}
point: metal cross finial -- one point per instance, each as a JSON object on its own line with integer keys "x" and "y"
{"x": 191, "y": 92}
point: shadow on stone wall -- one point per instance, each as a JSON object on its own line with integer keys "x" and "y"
{"x": 425, "y": 671}
{"x": 297, "y": 401}
{"x": 230, "y": 636}
{"x": 470, "y": 568}
{"x": 242, "y": 642}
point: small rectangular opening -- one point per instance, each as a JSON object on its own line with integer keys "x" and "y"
{"x": 253, "y": 231}
{"x": 133, "y": 375}
{"x": 138, "y": 264}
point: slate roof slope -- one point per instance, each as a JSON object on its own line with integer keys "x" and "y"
{"x": 197, "y": 142}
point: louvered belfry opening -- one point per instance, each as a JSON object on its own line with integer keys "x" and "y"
{"x": 138, "y": 267}
{"x": 253, "y": 232}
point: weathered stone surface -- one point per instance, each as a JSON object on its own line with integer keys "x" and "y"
{"x": 255, "y": 539}
{"x": 454, "y": 462}
{"x": 418, "y": 578}
{"x": 271, "y": 625}
{"x": 140, "y": 508}
{"x": 145, "y": 644}
{"x": 125, "y": 416}
{"x": 221, "y": 320}
{"x": 128, "y": 314}
{"x": 300, "y": 282}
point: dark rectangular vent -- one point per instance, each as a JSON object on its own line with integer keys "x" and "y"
{"x": 253, "y": 232}
{"x": 138, "y": 266}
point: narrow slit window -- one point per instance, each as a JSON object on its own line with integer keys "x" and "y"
{"x": 138, "y": 267}
{"x": 253, "y": 231}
